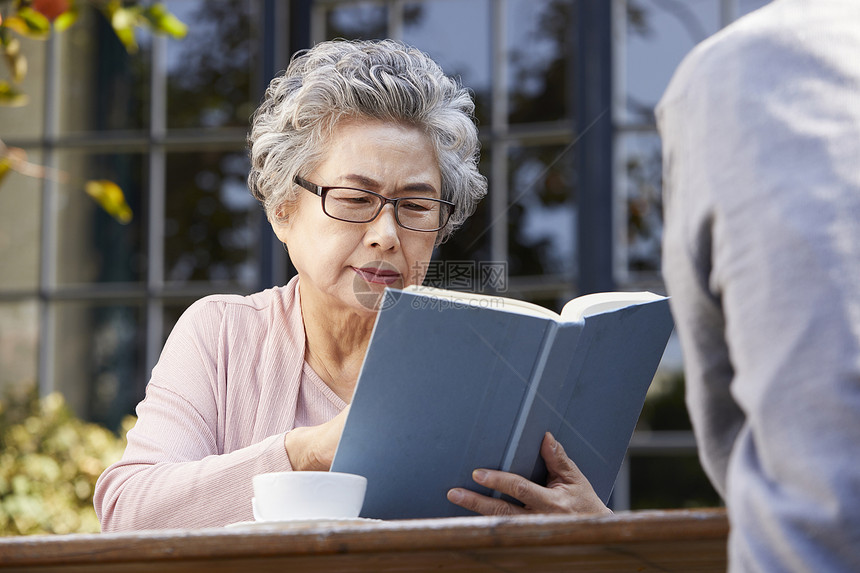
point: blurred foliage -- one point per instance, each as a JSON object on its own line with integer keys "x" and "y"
{"x": 49, "y": 464}
{"x": 37, "y": 19}
{"x": 216, "y": 87}
{"x": 668, "y": 480}
{"x": 110, "y": 197}
{"x": 665, "y": 409}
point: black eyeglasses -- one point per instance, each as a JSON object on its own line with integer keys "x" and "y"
{"x": 363, "y": 206}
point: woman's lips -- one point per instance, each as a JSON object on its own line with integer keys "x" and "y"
{"x": 378, "y": 276}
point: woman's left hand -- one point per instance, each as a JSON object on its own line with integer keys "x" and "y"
{"x": 567, "y": 490}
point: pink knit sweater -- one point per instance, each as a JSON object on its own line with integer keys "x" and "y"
{"x": 231, "y": 381}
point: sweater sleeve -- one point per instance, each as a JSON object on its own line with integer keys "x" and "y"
{"x": 174, "y": 473}
{"x": 762, "y": 259}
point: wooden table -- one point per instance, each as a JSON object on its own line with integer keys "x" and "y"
{"x": 680, "y": 540}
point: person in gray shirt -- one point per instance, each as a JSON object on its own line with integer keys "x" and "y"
{"x": 761, "y": 150}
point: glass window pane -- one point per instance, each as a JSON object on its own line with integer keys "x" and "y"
{"x": 101, "y": 85}
{"x": 542, "y": 212}
{"x": 98, "y": 361}
{"x": 19, "y": 343}
{"x": 20, "y": 225}
{"x": 212, "y": 223}
{"x": 358, "y": 21}
{"x": 659, "y": 35}
{"x": 456, "y": 33}
{"x": 471, "y": 242}
{"x": 92, "y": 246}
{"x": 539, "y": 33}
{"x": 170, "y": 315}
{"x": 641, "y": 158}
{"x": 212, "y": 73}
{"x": 27, "y": 121}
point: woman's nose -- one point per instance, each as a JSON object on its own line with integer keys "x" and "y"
{"x": 384, "y": 232}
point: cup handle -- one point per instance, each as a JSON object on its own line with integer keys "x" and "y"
{"x": 254, "y": 509}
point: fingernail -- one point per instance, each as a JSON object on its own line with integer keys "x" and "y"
{"x": 455, "y": 495}
{"x": 479, "y": 476}
{"x": 553, "y": 443}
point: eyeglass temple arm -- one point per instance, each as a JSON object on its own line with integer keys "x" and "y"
{"x": 308, "y": 185}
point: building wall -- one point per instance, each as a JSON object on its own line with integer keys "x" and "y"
{"x": 87, "y": 302}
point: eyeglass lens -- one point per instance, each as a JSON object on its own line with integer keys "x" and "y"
{"x": 361, "y": 206}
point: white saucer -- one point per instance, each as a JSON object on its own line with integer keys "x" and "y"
{"x": 303, "y": 522}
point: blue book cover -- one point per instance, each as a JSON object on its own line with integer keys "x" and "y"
{"x": 453, "y": 381}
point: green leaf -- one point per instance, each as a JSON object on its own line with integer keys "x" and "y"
{"x": 15, "y": 59}
{"x": 19, "y": 25}
{"x": 10, "y": 96}
{"x": 161, "y": 20}
{"x": 37, "y": 23}
{"x": 65, "y": 20}
{"x": 5, "y": 168}
{"x": 109, "y": 195}
{"x": 123, "y": 21}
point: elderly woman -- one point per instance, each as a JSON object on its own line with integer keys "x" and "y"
{"x": 364, "y": 156}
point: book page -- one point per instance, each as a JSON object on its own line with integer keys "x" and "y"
{"x": 484, "y": 301}
{"x": 596, "y": 303}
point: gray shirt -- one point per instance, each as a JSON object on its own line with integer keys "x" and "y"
{"x": 761, "y": 135}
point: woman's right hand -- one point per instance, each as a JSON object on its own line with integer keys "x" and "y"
{"x": 312, "y": 447}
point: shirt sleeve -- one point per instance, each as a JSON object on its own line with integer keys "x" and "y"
{"x": 762, "y": 259}
{"x": 174, "y": 473}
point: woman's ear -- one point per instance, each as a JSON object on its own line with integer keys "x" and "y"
{"x": 282, "y": 218}
{"x": 280, "y": 225}
{"x": 281, "y": 231}
{"x": 282, "y": 214}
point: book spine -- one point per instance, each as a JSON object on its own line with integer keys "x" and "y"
{"x": 530, "y": 397}
{"x": 554, "y": 385}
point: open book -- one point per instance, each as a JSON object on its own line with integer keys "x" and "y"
{"x": 455, "y": 381}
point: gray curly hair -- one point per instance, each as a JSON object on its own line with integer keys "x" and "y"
{"x": 383, "y": 80}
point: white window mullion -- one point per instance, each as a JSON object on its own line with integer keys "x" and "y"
{"x": 499, "y": 129}
{"x": 155, "y": 227}
{"x": 48, "y": 255}
{"x": 318, "y": 18}
{"x": 395, "y": 19}
{"x": 620, "y": 258}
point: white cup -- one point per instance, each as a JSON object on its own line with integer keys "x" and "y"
{"x": 285, "y": 496}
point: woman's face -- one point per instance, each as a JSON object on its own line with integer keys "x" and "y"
{"x": 348, "y": 265}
